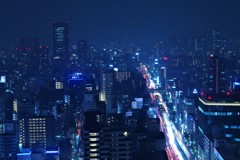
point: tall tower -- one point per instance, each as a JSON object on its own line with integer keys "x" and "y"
{"x": 107, "y": 92}
{"x": 163, "y": 77}
{"x": 44, "y": 62}
{"x": 111, "y": 84}
{"x": 34, "y": 130}
{"x": 215, "y": 75}
{"x": 28, "y": 56}
{"x": 60, "y": 45}
{"x": 83, "y": 56}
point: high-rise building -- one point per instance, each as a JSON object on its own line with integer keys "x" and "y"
{"x": 83, "y": 54}
{"x": 60, "y": 45}
{"x": 163, "y": 77}
{"x": 92, "y": 135}
{"x": 213, "y": 40}
{"x": 100, "y": 142}
{"x": 218, "y": 123}
{"x": 44, "y": 62}
{"x": 106, "y": 93}
{"x": 110, "y": 88}
{"x": 7, "y": 106}
{"x": 116, "y": 143}
{"x": 28, "y": 56}
{"x": 76, "y": 84}
{"x": 8, "y": 146}
{"x": 215, "y": 75}
{"x": 61, "y": 115}
{"x": 36, "y": 130}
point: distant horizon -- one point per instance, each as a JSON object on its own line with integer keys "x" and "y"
{"x": 165, "y": 38}
{"x": 108, "y": 20}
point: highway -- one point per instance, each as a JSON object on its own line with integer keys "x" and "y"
{"x": 175, "y": 148}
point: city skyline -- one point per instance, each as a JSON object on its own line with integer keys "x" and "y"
{"x": 126, "y": 80}
{"x": 115, "y": 21}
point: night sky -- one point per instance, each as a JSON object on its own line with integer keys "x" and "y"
{"x": 107, "y": 20}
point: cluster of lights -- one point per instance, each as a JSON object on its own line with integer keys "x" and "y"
{"x": 207, "y": 103}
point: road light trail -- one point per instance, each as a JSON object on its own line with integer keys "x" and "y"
{"x": 165, "y": 124}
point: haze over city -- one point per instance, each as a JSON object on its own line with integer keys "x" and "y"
{"x": 108, "y": 20}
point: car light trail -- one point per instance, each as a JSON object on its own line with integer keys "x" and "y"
{"x": 171, "y": 136}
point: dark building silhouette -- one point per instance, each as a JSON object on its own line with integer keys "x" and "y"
{"x": 163, "y": 77}
{"x": 27, "y": 55}
{"x": 218, "y": 123}
{"x": 8, "y": 146}
{"x": 83, "y": 54}
{"x": 60, "y": 45}
{"x": 111, "y": 88}
{"x": 44, "y": 62}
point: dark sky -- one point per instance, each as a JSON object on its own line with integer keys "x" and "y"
{"x": 106, "y": 20}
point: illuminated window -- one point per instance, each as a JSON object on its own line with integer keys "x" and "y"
{"x": 59, "y": 85}
{"x": 125, "y": 133}
{"x": 93, "y": 149}
{"x": 94, "y": 154}
{"x": 93, "y": 139}
{"x": 228, "y": 135}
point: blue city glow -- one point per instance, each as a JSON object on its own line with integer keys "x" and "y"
{"x": 51, "y": 152}
{"x": 75, "y": 76}
{"x": 237, "y": 83}
{"x": 24, "y": 154}
{"x": 228, "y": 135}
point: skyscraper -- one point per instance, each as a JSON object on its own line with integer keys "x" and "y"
{"x": 60, "y": 45}
{"x": 34, "y": 130}
{"x": 218, "y": 124}
{"x": 8, "y": 146}
{"x": 213, "y": 40}
{"x": 44, "y": 62}
{"x": 215, "y": 75}
{"x": 27, "y": 54}
{"x": 163, "y": 77}
{"x": 111, "y": 83}
{"x": 82, "y": 54}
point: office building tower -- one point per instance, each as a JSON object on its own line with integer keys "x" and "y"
{"x": 116, "y": 143}
{"x": 111, "y": 88}
{"x": 100, "y": 142}
{"x": 106, "y": 92}
{"x": 91, "y": 134}
{"x": 61, "y": 116}
{"x": 213, "y": 40}
{"x": 83, "y": 56}
{"x": 163, "y": 77}
{"x": 60, "y": 46}
{"x": 28, "y": 56}
{"x": 76, "y": 83}
{"x": 7, "y": 106}
{"x": 218, "y": 124}
{"x": 36, "y": 130}
{"x": 44, "y": 62}
{"x": 215, "y": 75}
{"x": 8, "y": 146}
{"x": 25, "y": 108}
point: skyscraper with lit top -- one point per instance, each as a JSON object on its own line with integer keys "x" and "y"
{"x": 215, "y": 75}
{"x": 60, "y": 45}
